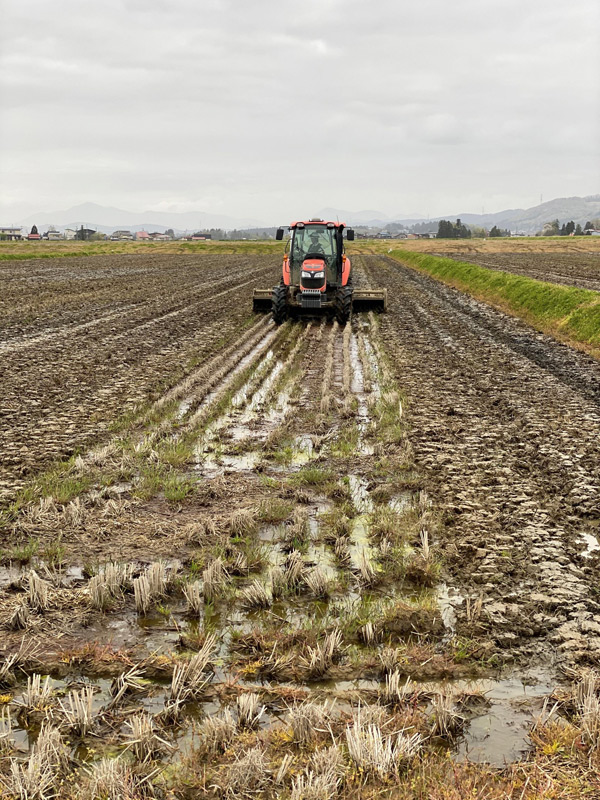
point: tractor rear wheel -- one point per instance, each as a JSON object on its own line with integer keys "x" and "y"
{"x": 279, "y": 304}
{"x": 343, "y": 304}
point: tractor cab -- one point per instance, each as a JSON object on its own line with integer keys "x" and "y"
{"x": 315, "y": 247}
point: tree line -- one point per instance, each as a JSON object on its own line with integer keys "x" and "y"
{"x": 449, "y": 230}
{"x": 554, "y": 228}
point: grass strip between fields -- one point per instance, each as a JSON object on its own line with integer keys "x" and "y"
{"x": 568, "y": 313}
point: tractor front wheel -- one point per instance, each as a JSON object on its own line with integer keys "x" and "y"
{"x": 279, "y": 304}
{"x": 343, "y": 304}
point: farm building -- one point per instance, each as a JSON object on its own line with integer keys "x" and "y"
{"x": 11, "y": 233}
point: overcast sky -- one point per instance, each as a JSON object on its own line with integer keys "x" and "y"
{"x": 274, "y": 109}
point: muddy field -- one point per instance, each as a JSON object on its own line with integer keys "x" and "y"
{"x": 311, "y": 561}
{"x": 84, "y": 341}
{"x": 570, "y": 269}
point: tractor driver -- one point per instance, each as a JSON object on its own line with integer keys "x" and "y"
{"x": 315, "y": 245}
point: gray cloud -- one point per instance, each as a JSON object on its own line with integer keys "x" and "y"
{"x": 275, "y": 109}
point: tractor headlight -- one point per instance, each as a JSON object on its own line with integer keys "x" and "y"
{"x": 306, "y": 274}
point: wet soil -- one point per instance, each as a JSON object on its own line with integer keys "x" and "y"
{"x": 505, "y": 426}
{"x": 432, "y": 473}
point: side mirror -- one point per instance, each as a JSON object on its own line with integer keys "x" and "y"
{"x": 279, "y": 234}
{"x": 350, "y": 234}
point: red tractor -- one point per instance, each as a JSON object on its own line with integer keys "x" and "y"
{"x": 317, "y": 276}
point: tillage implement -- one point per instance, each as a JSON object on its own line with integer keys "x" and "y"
{"x": 317, "y": 276}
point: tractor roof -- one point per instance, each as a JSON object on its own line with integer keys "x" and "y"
{"x": 328, "y": 223}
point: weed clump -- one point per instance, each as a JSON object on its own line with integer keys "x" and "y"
{"x": 249, "y": 710}
{"x": 149, "y": 587}
{"x": 189, "y": 679}
{"x": 216, "y": 733}
{"x": 317, "y": 582}
{"x": 37, "y": 594}
{"x": 214, "y": 580}
{"x": 308, "y": 720}
{"x": 39, "y": 776}
{"x": 320, "y": 657}
{"x": 447, "y": 722}
{"x": 377, "y": 753}
{"x": 257, "y": 595}
{"x": 249, "y": 772}
{"x": 243, "y": 522}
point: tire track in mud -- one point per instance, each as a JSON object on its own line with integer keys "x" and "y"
{"x": 506, "y": 422}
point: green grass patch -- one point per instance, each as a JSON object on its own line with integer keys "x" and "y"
{"x": 567, "y": 312}
{"x": 177, "y": 488}
{"x": 274, "y": 510}
{"x": 311, "y": 476}
{"x": 347, "y": 442}
{"x": 22, "y": 553}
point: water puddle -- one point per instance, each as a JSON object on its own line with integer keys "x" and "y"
{"x": 319, "y": 555}
{"x": 357, "y": 386}
{"x": 67, "y": 577}
{"x": 303, "y": 449}
{"x": 374, "y": 366}
{"x": 448, "y": 598}
{"x": 591, "y": 544}
{"x": 212, "y": 467}
{"x": 360, "y": 494}
{"x": 402, "y": 502}
{"x": 500, "y": 735}
{"x": 360, "y": 549}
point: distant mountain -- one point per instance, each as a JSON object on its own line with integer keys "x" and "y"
{"x": 107, "y": 219}
{"x": 578, "y": 209}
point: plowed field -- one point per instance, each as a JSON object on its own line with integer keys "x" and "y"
{"x": 570, "y": 269}
{"x": 303, "y": 561}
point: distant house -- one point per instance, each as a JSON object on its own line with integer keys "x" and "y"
{"x": 593, "y": 232}
{"x": 160, "y": 237}
{"x": 83, "y": 234}
{"x": 11, "y": 233}
{"x": 53, "y": 236}
{"x": 141, "y": 236}
{"x": 199, "y": 237}
{"x": 70, "y": 233}
{"x": 121, "y": 236}
{"x": 33, "y": 237}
